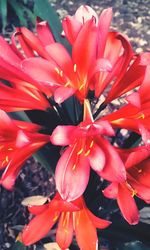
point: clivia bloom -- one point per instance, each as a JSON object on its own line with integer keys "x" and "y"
{"x": 111, "y": 46}
{"x": 137, "y": 162}
{"x": 65, "y": 75}
{"x": 23, "y": 93}
{"x": 18, "y": 141}
{"x": 87, "y": 147}
{"x": 136, "y": 114}
{"x": 72, "y": 217}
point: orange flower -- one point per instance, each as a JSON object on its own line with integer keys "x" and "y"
{"x": 72, "y": 216}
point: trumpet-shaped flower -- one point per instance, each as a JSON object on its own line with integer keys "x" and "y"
{"x": 87, "y": 147}
{"x": 72, "y": 216}
{"x": 23, "y": 92}
{"x": 111, "y": 46}
{"x": 138, "y": 173}
{"x": 136, "y": 114}
{"x": 18, "y": 141}
{"x": 65, "y": 75}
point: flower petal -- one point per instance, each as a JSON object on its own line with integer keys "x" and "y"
{"x": 145, "y": 135}
{"x": 44, "y": 33}
{"x": 38, "y": 227}
{"x": 34, "y": 42}
{"x": 71, "y": 27}
{"x": 84, "y": 54}
{"x": 103, "y": 28}
{"x": 114, "y": 169}
{"x": 62, "y": 58}
{"x": 63, "y": 135}
{"x": 72, "y": 174}
{"x": 64, "y": 231}
{"x": 63, "y": 93}
{"x": 126, "y": 79}
{"x": 13, "y": 168}
{"x": 103, "y": 127}
{"x": 85, "y": 13}
{"x": 97, "y": 158}
{"x": 37, "y": 209}
{"x": 101, "y": 65}
{"x": 134, "y": 99}
{"x": 127, "y": 205}
{"x": 7, "y": 54}
{"x": 87, "y": 239}
{"x": 98, "y": 222}
{"x": 111, "y": 191}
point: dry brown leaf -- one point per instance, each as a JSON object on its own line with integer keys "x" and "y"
{"x": 34, "y": 200}
{"x": 52, "y": 246}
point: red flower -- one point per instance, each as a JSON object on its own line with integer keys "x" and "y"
{"x": 137, "y": 163}
{"x": 73, "y": 216}
{"x": 19, "y": 140}
{"x": 24, "y": 92}
{"x": 65, "y": 75}
{"x": 87, "y": 146}
{"x": 136, "y": 114}
{"x": 112, "y": 46}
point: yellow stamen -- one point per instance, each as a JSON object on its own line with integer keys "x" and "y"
{"x": 10, "y": 149}
{"x": 57, "y": 70}
{"x": 67, "y": 84}
{"x": 82, "y": 85}
{"x": 141, "y": 116}
{"x": 65, "y": 220}
{"x": 55, "y": 217}
{"x": 77, "y": 219}
{"x": 134, "y": 192}
{"x": 91, "y": 144}
{"x": 6, "y": 159}
{"x": 81, "y": 150}
{"x": 74, "y": 167}
{"x": 61, "y": 73}
{"x": 87, "y": 153}
{"x": 3, "y": 163}
{"x": 75, "y": 68}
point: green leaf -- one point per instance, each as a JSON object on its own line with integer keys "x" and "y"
{"x": 19, "y": 10}
{"x": 19, "y": 116}
{"x": 44, "y": 10}
{"x": 18, "y": 246}
{"x": 3, "y": 11}
{"x": 48, "y": 157}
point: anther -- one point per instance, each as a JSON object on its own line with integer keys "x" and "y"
{"x": 74, "y": 167}
{"x": 10, "y": 149}
{"x": 91, "y": 144}
{"x": 134, "y": 192}
{"x": 61, "y": 73}
{"x": 55, "y": 217}
{"x": 142, "y": 116}
{"x": 75, "y": 68}
{"x": 6, "y": 159}
{"x": 57, "y": 70}
{"x": 81, "y": 87}
{"x": 67, "y": 84}
{"x": 81, "y": 150}
{"x": 87, "y": 153}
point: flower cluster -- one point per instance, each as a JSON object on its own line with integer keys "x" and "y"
{"x": 42, "y": 75}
